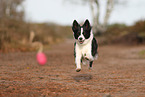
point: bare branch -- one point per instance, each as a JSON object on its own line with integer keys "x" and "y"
{"x": 110, "y": 4}
{"x": 37, "y": 44}
{"x": 8, "y": 8}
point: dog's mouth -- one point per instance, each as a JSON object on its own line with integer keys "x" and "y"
{"x": 81, "y": 41}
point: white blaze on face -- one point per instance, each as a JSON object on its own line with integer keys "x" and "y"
{"x": 81, "y": 35}
{"x": 81, "y": 30}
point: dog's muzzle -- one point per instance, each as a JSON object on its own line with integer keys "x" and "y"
{"x": 81, "y": 40}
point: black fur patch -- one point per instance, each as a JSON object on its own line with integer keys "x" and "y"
{"x": 75, "y": 49}
{"x": 86, "y": 29}
{"x": 91, "y": 63}
{"x": 94, "y": 47}
{"x": 76, "y": 29}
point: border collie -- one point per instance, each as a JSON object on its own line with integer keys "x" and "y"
{"x": 85, "y": 46}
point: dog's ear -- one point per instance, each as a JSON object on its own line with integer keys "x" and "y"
{"x": 75, "y": 26}
{"x": 87, "y": 24}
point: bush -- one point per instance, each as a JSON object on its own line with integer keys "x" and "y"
{"x": 120, "y": 33}
{"x": 15, "y": 34}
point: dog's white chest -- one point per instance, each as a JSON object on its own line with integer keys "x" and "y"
{"x": 84, "y": 50}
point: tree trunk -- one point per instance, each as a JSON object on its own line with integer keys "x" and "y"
{"x": 99, "y": 28}
{"x": 109, "y": 8}
{"x": 8, "y": 8}
{"x": 93, "y": 16}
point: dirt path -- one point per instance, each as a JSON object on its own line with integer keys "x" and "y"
{"x": 119, "y": 71}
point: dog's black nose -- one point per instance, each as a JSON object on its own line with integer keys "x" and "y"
{"x": 80, "y": 38}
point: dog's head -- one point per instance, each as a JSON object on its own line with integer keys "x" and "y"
{"x": 82, "y": 33}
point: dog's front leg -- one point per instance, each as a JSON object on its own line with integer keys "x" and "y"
{"x": 78, "y": 63}
{"x": 89, "y": 57}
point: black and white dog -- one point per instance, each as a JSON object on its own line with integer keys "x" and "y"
{"x": 85, "y": 46}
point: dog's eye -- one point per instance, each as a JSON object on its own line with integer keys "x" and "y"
{"x": 78, "y": 33}
{"x": 84, "y": 33}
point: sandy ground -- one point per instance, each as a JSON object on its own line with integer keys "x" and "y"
{"x": 119, "y": 72}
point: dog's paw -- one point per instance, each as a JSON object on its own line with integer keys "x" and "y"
{"x": 89, "y": 58}
{"x": 86, "y": 58}
{"x": 90, "y": 68}
{"x": 78, "y": 69}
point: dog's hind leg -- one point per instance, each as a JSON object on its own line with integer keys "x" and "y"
{"x": 90, "y": 65}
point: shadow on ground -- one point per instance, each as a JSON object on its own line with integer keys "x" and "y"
{"x": 82, "y": 77}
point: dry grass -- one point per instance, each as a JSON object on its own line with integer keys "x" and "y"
{"x": 14, "y": 35}
{"x": 120, "y": 33}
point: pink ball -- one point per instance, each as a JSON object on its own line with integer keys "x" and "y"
{"x": 41, "y": 58}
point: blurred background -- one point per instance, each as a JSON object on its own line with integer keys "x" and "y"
{"x": 113, "y": 21}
